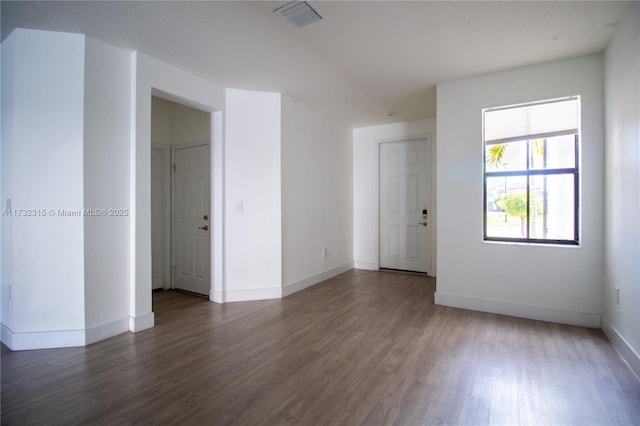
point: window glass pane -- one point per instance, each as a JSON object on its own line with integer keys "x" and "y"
{"x": 506, "y": 156}
{"x": 506, "y": 207}
{"x": 552, "y": 215}
{"x": 553, "y": 153}
{"x": 531, "y": 119}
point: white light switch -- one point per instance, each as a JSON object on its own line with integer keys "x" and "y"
{"x": 239, "y": 206}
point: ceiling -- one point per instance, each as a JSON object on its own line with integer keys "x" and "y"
{"x": 364, "y": 59}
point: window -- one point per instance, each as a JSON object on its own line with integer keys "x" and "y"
{"x": 531, "y": 172}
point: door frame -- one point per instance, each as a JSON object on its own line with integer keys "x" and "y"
{"x": 166, "y": 213}
{"x": 174, "y": 148}
{"x": 431, "y": 234}
{"x": 149, "y": 77}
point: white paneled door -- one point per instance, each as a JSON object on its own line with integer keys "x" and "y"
{"x": 191, "y": 219}
{"x": 404, "y": 216}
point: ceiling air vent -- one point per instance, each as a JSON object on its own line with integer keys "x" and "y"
{"x": 299, "y": 13}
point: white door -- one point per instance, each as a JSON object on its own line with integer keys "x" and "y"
{"x": 404, "y": 193}
{"x": 191, "y": 220}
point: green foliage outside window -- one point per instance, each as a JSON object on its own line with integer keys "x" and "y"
{"x": 514, "y": 203}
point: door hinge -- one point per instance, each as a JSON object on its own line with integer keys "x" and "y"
{"x": 174, "y": 167}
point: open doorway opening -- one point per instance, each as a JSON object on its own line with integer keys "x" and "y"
{"x": 180, "y": 197}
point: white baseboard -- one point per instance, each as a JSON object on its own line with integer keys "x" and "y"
{"x": 246, "y": 295}
{"x": 142, "y": 322}
{"x": 104, "y": 331}
{"x": 623, "y": 347}
{"x": 72, "y": 338}
{"x": 216, "y": 296}
{"x": 542, "y": 313}
{"x": 42, "y": 339}
{"x": 250, "y": 294}
{"x": 308, "y": 282}
{"x": 369, "y": 266}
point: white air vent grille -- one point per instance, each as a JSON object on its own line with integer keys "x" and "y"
{"x": 299, "y": 13}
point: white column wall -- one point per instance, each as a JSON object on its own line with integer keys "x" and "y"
{"x": 42, "y": 147}
{"x": 107, "y": 183}
{"x": 253, "y": 243}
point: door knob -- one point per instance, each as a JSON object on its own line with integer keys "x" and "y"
{"x": 204, "y": 228}
{"x": 422, "y": 223}
{"x": 206, "y": 217}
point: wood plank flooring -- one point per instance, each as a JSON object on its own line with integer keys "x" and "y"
{"x": 362, "y": 348}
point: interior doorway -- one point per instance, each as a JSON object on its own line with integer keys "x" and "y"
{"x": 405, "y": 192}
{"x": 180, "y": 197}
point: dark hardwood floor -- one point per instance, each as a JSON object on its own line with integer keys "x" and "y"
{"x": 362, "y": 348}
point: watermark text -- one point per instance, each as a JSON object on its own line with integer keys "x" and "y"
{"x": 64, "y": 212}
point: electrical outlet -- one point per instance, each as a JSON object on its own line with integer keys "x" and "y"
{"x": 324, "y": 252}
{"x": 617, "y": 290}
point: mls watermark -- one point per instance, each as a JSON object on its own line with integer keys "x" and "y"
{"x": 65, "y": 212}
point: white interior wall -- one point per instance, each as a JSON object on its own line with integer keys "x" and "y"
{"x": 621, "y": 321}
{"x": 21, "y": 91}
{"x": 555, "y": 283}
{"x": 189, "y": 124}
{"x": 366, "y": 141}
{"x": 107, "y": 95}
{"x": 161, "y": 112}
{"x": 253, "y": 228}
{"x": 173, "y": 123}
{"x": 42, "y": 144}
{"x": 317, "y": 196}
{"x": 106, "y": 110}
